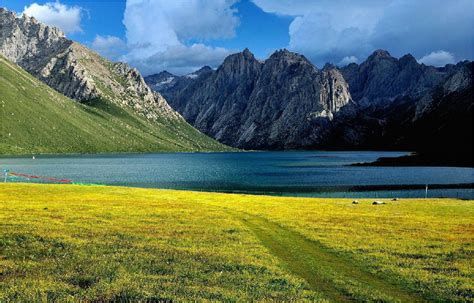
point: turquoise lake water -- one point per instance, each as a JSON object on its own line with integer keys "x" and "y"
{"x": 311, "y": 173}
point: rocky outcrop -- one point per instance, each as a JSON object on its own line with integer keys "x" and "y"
{"x": 382, "y": 78}
{"x": 162, "y": 81}
{"x": 46, "y": 53}
{"x": 284, "y": 102}
{"x": 171, "y": 84}
{"x": 74, "y": 70}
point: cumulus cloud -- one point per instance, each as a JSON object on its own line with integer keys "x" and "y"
{"x": 328, "y": 31}
{"x": 333, "y": 30}
{"x": 110, "y": 47}
{"x": 181, "y": 59}
{"x": 438, "y": 58}
{"x": 67, "y": 18}
{"x": 425, "y": 25}
{"x": 171, "y": 35}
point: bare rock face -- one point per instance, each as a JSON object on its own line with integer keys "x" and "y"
{"x": 337, "y": 87}
{"x": 284, "y": 102}
{"x": 460, "y": 80}
{"x": 74, "y": 70}
{"x": 382, "y": 78}
{"x": 46, "y": 53}
{"x": 287, "y": 103}
{"x": 161, "y": 81}
{"x": 169, "y": 84}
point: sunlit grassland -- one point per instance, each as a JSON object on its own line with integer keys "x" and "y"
{"x": 68, "y": 242}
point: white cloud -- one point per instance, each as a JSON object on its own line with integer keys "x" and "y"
{"x": 347, "y": 60}
{"x": 110, "y": 47}
{"x": 67, "y": 18}
{"x": 162, "y": 33}
{"x": 180, "y": 59}
{"x": 438, "y": 58}
{"x": 328, "y": 31}
{"x": 332, "y": 30}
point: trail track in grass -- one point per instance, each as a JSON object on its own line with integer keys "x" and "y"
{"x": 317, "y": 265}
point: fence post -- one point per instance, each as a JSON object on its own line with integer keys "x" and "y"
{"x": 6, "y": 175}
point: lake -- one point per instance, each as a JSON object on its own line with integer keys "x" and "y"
{"x": 308, "y": 173}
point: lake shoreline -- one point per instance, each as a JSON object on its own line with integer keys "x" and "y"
{"x": 308, "y": 173}
{"x": 414, "y": 160}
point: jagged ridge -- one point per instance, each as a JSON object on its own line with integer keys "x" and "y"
{"x": 276, "y": 104}
{"x": 286, "y": 102}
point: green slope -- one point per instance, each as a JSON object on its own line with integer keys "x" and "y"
{"x": 34, "y": 118}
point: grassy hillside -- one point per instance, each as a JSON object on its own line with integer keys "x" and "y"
{"x": 36, "y": 119}
{"x": 69, "y": 242}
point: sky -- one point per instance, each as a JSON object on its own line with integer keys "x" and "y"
{"x": 183, "y": 35}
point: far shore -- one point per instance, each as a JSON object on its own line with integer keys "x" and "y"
{"x": 415, "y": 159}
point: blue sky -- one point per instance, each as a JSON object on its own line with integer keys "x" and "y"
{"x": 183, "y": 35}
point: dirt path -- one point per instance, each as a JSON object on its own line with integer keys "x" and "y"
{"x": 320, "y": 268}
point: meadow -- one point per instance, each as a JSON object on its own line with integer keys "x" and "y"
{"x": 69, "y": 243}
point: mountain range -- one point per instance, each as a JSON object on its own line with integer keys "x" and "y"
{"x": 107, "y": 106}
{"x": 285, "y": 102}
{"x": 59, "y": 96}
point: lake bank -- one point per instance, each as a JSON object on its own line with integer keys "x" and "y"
{"x": 114, "y": 243}
{"x": 308, "y": 173}
{"x": 451, "y": 160}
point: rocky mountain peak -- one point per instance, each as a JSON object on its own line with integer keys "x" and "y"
{"x": 237, "y": 67}
{"x": 161, "y": 81}
{"x": 329, "y": 66}
{"x": 199, "y": 72}
{"x": 247, "y": 53}
{"x": 168, "y": 83}
{"x": 379, "y": 54}
{"x": 285, "y": 102}
{"x": 165, "y": 73}
{"x": 381, "y": 78}
{"x": 6, "y": 15}
{"x": 45, "y": 52}
{"x": 24, "y": 22}
{"x": 461, "y": 79}
{"x": 243, "y": 56}
{"x": 284, "y": 59}
{"x": 284, "y": 54}
{"x": 74, "y": 70}
{"x": 277, "y": 103}
{"x": 408, "y": 58}
{"x": 203, "y": 69}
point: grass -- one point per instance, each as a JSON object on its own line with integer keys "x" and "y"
{"x": 96, "y": 243}
{"x": 34, "y": 118}
{"x": 321, "y": 269}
